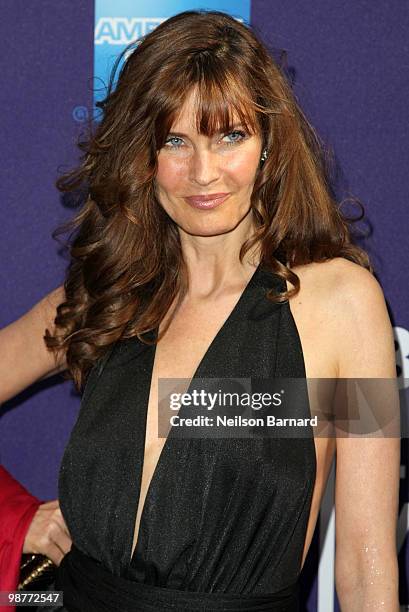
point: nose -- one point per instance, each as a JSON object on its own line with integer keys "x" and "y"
{"x": 204, "y": 167}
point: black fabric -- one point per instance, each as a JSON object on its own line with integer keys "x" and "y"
{"x": 221, "y": 516}
{"x": 88, "y": 586}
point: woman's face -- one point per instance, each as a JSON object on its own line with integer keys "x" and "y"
{"x": 191, "y": 164}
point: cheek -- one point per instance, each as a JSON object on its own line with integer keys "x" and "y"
{"x": 170, "y": 175}
{"x": 242, "y": 168}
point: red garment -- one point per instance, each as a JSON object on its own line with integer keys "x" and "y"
{"x": 17, "y": 508}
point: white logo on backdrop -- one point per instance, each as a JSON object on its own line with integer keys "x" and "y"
{"x": 123, "y": 30}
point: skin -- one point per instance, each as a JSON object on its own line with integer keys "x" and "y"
{"x": 197, "y": 164}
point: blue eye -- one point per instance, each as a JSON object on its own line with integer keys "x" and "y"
{"x": 240, "y": 133}
{"x": 234, "y": 142}
{"x": 173, "y": 138}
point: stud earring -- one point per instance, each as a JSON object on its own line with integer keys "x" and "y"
{"x": 263, "y": 156}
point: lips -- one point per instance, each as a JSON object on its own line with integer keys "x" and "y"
{"x": 207, "y": 201}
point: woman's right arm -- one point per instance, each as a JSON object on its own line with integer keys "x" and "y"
{"x": 24, "y": 357}
{"x": 28, "y": 524}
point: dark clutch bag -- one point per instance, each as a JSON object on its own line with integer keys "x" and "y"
{"x": 37, "y": 572}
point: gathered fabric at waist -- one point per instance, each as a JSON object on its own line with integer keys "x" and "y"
{"x": 90, "y": 587}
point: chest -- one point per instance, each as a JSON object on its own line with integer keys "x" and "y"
{"x": 188, "y": 339}
{"x": 230, "y": 336}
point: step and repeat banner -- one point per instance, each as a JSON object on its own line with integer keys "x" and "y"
{"x": 349, "y": 64}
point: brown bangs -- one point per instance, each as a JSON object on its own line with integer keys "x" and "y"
{"x": 220, "y": 103}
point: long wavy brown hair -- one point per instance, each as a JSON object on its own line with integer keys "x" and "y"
{"x": 126, "y": 265}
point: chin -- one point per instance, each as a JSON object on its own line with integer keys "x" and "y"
{"x": 210, "y": 228}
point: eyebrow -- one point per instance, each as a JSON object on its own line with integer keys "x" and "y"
{"x": 236, "y": 125}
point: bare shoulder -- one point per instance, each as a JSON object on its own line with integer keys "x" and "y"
{"x": 353, "y": 304}
{"x": 329, "y": 274}
{"x": 341, "y": 311}
{"x": 338, "y": 283}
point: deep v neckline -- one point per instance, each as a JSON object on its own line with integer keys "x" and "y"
{"x": 131, "y": 556}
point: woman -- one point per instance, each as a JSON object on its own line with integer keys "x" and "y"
{"x": 208, "y": 197}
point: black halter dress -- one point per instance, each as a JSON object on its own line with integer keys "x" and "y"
{"x": 224, "y": 521}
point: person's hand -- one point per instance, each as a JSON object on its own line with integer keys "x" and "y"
{"x": 48, "y": 534}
